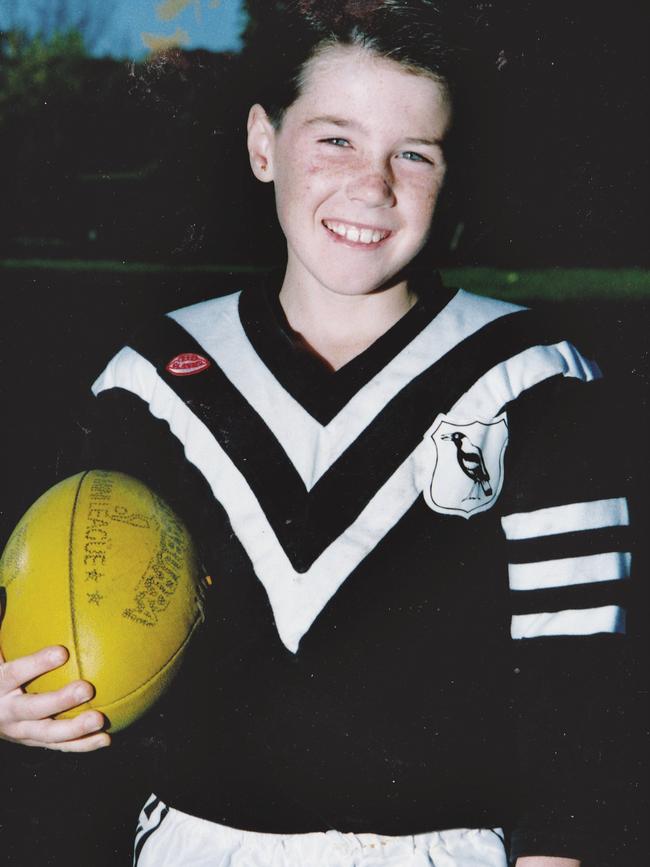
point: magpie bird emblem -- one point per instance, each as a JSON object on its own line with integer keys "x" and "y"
{"x": 470, "y": 460}
{"x": 467, "y": 473}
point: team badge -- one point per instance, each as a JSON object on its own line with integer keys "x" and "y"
{"x": 468, "y": 470}
{"x": 187, "y": 363}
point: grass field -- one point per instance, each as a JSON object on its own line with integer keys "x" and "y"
{"x": 547, "y": 284}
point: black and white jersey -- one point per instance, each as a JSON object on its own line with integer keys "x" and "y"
{"x": 418, "y": 568}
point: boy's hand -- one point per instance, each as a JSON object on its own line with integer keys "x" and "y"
{"x": 26, "y": 718}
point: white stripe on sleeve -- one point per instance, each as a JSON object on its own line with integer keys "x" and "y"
{"x": 567, "y": 519}
{"x": 585, "y": 621}
{"x": 569, "y": 570}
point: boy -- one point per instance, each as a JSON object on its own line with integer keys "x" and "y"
{"x": 360, "y": 452}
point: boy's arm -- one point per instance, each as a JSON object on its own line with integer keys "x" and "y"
{"x": 115, "y": 432}
{"x": 566, "y": 525}
{"x": 28, "y": 718}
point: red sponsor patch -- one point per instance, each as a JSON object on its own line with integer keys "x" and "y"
{"x": 187, "y": 363}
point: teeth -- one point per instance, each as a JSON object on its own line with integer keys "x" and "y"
{"x": 351, "y": 233}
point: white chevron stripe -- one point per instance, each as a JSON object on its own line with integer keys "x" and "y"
{"x": 569, "y": 570}
{"x": 506, "y": 381}
{"x": 585, "y": 621}
{"x": 569, "y": 518}
{"x": 216, "y": 326}
{"x": 296, "y": 598}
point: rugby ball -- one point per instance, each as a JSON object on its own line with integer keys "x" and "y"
{"x": 101, "y": 565}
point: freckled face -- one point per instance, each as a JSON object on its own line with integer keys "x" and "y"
{"x": 357, "y": 166}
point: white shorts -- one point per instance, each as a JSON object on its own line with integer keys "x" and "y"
{"x": 168, "y": 838}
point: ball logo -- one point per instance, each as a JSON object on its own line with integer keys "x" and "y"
{"x": 187, "y": 363}
{"x": 467, "y": 474}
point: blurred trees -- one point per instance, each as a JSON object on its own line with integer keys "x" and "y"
{"x": 48, "y": 19}
{"x": 33, "y": 70}
{"x": 261, "y": 18}
{"x": 41, "y": 84}
{"x": 114, "y": 159}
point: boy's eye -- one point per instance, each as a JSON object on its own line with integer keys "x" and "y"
{"x": 414, "y": 157}
{"x": 337, "y": 142}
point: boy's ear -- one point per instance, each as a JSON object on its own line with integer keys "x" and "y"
{"x": 261, "y": 138}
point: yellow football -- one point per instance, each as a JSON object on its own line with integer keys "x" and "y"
{"x": 101, "y": 565}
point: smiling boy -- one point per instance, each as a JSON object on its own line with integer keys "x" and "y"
{"x": 390, "y": 484}
{"x": 355, "y": 194}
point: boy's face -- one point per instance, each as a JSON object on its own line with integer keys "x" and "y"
{"x": 357, "y": 166}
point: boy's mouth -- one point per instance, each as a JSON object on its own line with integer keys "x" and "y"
{"x": 356, "y": 234}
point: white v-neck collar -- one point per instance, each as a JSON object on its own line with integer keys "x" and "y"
{"x": 217, "y": 327}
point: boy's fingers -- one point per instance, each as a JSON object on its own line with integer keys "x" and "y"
{"x": 53, "y": 733}
{"x": 80, "y": 745}
{"x": 19, "y": 671}
{"x": 38, "y": 706}
{"x": 84, "y": 745}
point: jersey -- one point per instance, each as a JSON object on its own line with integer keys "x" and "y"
{"x": 418, "y": 568}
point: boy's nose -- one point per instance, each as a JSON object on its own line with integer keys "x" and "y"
{"x": 373, "y": 188}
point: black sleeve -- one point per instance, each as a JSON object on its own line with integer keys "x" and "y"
{"x": 567, "y": 527}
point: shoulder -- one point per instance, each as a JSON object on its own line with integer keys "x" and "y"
{"x": 178, "y": 335}
{"x": 198, "y": 318}
{"x": 543, "y": 325}
{"x": 511, "y": 353}
{"x": 484, "y": 305}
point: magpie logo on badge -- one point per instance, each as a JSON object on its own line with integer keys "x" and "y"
{"x": 467, "y": 475}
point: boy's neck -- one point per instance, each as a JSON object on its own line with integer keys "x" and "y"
{"x": 337, "y": 327}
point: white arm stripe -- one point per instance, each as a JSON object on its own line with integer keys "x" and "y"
{"x": 585, "y": 621}
{"x": 566, "y": 519}
{"x": 569, "y": 570}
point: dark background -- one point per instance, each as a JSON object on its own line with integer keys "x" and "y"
{"x": 125, "y": 190}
